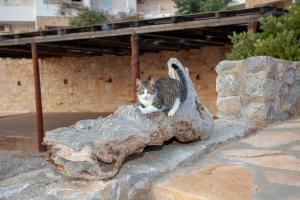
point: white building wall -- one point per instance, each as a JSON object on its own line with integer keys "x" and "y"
{"x": 17, "y": 11}
{"x": 115, "y": 6}
{"x": 46, "y": 9}
{"x": 21, "y": 14}
{"x": 237, "y": 2}
{"x": 87, "y": 3}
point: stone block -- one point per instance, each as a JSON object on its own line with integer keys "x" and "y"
{"x": 289, "y": 76}
{"x": 262, "y": 87}
{"x": 260, "y": 112}
{"x": 229, "y": 107}
{"x": 227, "y": 66}
{"x": 289, "y": 104}
{"x": 260, "y": 63}
{"x": 297, "y": 75}
{"x": 227, "y": 85}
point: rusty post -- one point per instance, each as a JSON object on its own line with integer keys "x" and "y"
{"x": 135, "y": 63}
{"x": 252, "y": 26}
{"x": 38, "y": 98}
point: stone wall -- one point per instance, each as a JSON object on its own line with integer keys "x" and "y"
{"x": 260, "y": 89}
{"x": 98, "y": 84}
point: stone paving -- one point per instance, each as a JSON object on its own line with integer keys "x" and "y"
{"x": 265, "y": 166}
{"x": 134, "y": 180}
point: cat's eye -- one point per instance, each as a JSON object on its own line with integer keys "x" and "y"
{"x": 140, "y": 91}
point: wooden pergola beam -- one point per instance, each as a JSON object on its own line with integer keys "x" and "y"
{"x": 79, "y": 48}
{"x": 143, "y": 29}
{"x": 38, "y": 98}
{"x": 29, "y": 51}
{"x": 174, "y": 38}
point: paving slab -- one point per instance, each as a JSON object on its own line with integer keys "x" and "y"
{"x": 257, "y": 167}
{"x": 208, "y": 183}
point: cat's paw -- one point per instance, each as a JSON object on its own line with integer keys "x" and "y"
{"x": 171, "y": 113}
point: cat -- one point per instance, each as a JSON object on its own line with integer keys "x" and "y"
{"x": 165, "y": 94}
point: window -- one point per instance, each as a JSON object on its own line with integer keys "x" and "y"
{"x": 6, "y": 28}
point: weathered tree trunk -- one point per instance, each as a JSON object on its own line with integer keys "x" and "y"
{"x": 96, "y": 149}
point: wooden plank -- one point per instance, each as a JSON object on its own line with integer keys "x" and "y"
{"x": 79, "y": 48}
{"x": 138, "y": 30}
{"x": 41, "y": 52}
{"x": 186, "y": 39}
{"x": 124, "y": 45}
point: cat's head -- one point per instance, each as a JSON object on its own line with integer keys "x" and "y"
{"x": 145, "y": 89}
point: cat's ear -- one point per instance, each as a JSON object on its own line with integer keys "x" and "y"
{"x": 138, "y": 82}
{"x": 152, "y": 82}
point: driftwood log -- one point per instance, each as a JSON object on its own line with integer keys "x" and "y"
{"x": 96, "y": 149}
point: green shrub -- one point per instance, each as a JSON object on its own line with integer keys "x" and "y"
{"x": 87, "y": 17}
{"x": 280, "y": 38}
{"x": 243, "y": 45}
{"x": 198, "y": 6}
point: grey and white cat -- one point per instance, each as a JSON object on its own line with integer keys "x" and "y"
{"x": 165, "y": 94}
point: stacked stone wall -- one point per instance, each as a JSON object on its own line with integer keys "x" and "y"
{"x": 260, "y": 89}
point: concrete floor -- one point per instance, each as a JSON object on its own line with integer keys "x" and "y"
{"x": 19, "y": 132}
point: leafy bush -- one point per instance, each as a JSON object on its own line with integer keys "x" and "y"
{"x": 198, "y": 6}
{"x": 280, "y": 38}
{"x": 243, "y": 45}
{"x": 87, "y": 17}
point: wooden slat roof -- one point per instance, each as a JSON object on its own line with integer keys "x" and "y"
{"x": 169, "y": 33}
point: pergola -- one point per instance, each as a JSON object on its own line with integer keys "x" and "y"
{"x": 129, "y": 38}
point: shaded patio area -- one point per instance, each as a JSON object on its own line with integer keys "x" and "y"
{"x": 19, "y": 131}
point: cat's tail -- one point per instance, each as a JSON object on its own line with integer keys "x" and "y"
{"x": 182, "y": 78}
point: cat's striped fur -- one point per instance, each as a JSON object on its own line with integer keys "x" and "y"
{"x": 166, "y": 94}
